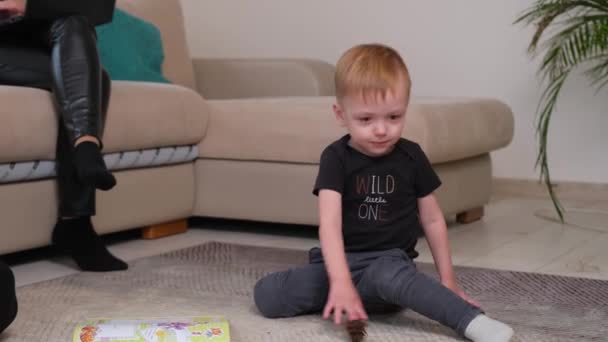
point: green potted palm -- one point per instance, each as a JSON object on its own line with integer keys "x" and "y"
{"x": 569, "y": 34}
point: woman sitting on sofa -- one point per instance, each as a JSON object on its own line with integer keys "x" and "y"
{"x": 44, "y": 44}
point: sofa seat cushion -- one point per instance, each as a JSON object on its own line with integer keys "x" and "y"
{"x": 140, "y": 116}
{"x": 297, "y": 129}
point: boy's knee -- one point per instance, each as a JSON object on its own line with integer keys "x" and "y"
{"x": 266, "y": 295}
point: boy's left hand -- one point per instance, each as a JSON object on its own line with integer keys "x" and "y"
{"x": 456, "y": 289}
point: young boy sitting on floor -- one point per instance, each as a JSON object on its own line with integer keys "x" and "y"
{"x": 375, "y": 193}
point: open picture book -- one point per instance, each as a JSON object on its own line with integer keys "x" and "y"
{"x": 195, "y": 329}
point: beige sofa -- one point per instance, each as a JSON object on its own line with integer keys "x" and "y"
{"x": 234, "y": 139}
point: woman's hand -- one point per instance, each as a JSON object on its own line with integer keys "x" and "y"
{"x": 12, "y": 7}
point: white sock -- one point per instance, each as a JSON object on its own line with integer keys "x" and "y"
{"x": 485, "y": 329}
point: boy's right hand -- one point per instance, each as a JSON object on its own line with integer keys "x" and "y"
{"x": 343, "y": 298}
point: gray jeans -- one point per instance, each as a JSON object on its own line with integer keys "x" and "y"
{"x": 387, "y": 281}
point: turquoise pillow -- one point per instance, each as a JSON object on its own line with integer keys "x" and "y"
{"x": 131, "y": 49}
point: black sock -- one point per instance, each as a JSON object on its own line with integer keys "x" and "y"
{"x": 90, "y": 166}
{"x": 77, "y": 238}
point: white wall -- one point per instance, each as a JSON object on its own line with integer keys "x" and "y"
{"x": 466, "y": 48}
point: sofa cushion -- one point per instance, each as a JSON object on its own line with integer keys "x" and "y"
{"x": 167, "y": 16}
{"x": 131, "y": 49}
{"x": 298, "y": 129}
{"x": 140, "y": 116}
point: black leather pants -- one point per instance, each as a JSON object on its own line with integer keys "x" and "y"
{"x": 61, "y": 56}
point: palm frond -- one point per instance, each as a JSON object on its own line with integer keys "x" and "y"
{"x": 600, "y": 5}
{"x": 580, "y": 37}
{"x": 599, "y": 72}
{"x": 575, "y": 45}
{"x": 547, "y": 105}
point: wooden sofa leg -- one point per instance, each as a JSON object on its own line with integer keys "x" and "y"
{"x": 165, "y": 229}
{"x": 470, "y": 215}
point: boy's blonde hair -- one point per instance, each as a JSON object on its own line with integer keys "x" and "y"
{"x": 369, "y": 70}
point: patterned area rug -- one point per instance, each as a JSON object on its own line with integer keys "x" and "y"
{"x": 217, "y": 279}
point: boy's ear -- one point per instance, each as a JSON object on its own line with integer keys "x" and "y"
{"x": 339, "y": 114}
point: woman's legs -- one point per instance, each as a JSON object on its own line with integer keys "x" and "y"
{"x": 82, "y": 100}
{"x": 74, "y": 232}
{"x": 77, "y": 84}
{"x": 82, "y": 91}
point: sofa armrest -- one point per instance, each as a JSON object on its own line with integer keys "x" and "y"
{"x": 247, "y": 78}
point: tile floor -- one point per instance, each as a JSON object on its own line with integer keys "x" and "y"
{"x": 511, "y": 236}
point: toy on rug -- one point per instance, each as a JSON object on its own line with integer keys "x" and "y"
{"x": 197, "y": 329}
{"x": 356, "y": 330}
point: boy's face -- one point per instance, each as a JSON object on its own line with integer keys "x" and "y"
{"x": 375, "y": 125}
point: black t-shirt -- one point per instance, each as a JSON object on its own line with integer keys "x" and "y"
{"x": 379, "y": 194}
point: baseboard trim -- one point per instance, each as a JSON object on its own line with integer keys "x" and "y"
{"x": 534, "y": 188}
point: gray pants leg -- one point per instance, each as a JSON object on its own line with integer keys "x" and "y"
{"x": 297, "y": 291}
{"x": 386, "y": 281}
{"x": 391, "y": 277}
